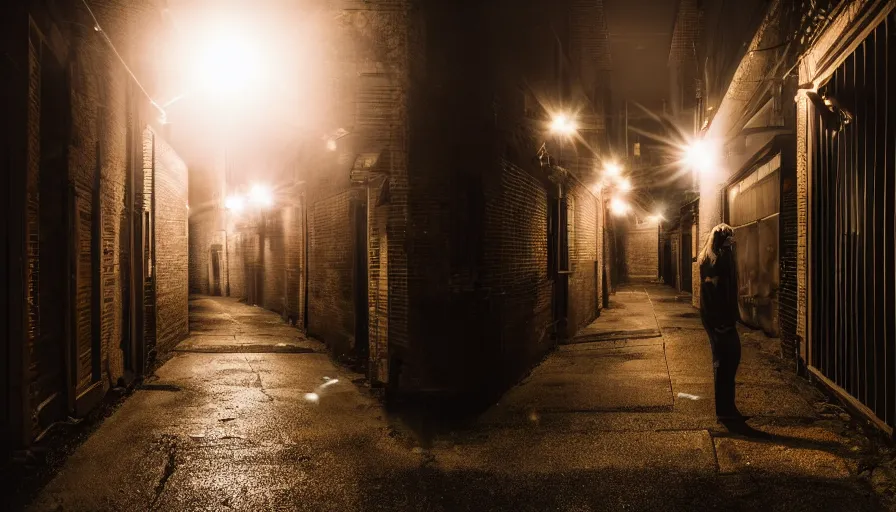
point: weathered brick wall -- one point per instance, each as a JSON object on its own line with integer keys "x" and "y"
{"x": 330, "y": 305}
{"x": 237, "y": 263}
{"x": 171, "y": 238}
{"x": 203, "y": 220}
{"x": 584, "y": 260}
{"x": 274, "y": 260}
{"x": 641, "y": 252}
{"x": 514, "y": 269}
{"x": 294, "y": 258}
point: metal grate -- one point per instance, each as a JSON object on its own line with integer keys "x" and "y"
{"x": 853, "y": 263}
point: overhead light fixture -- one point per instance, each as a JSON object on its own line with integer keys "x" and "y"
{"x": 619, "y": 207}
{"x": 702, "y": 155}
{"x": 563, "y": 124}
{"x": 612, "y": 169}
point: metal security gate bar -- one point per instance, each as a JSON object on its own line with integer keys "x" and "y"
{"x": 853, "y": 210}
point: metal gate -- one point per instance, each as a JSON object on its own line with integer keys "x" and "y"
{"x": 853, "y": 262}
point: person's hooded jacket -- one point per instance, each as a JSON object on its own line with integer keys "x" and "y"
{"x": 718, "y": 280}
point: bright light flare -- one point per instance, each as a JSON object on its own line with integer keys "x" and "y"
{"x": 228, "y": 62}
{"x": 702, "y": 155}
{"x": 619, "y": 207}
{"x": 235, "y": 203}
{"x": 261, "y": 195}
{"x": 612, "y": 169}
{"x": 563, "y": 124}
{"x": 312, "y": 397}
{"x": 625, "y": 185}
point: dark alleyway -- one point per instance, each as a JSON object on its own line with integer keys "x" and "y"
{"x": 624, "y": 423}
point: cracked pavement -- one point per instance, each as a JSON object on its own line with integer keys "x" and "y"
{"x": 615, "y": 424}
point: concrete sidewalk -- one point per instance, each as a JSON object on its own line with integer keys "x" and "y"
{"x": 623, "y": 424}
{"x": 653, "y": 399}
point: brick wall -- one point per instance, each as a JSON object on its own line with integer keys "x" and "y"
{"x": 641, "y": 252}
{"x": 82, "y": 126}
{"x": 274, "y": 258}
{"x": 236, "y": 262}
{"x": 171, "y": 239}
{"x": 514, "y": 269}
{"x": 330, "y": 305}
{"x": 204, "y": 218}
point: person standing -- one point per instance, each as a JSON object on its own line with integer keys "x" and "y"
{"x": 719, "y": 313}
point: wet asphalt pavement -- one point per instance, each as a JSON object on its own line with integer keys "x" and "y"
{"x": 250, "y": 415}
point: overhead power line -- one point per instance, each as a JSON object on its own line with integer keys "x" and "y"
{"x": 98, "y": 28}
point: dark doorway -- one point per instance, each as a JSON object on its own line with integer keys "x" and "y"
{"x": 687, "y": 257}
{"x": 49, "y": 350}
{"x": 668, "y": 264}
{"x": 216, "y": 270}
{"x": 359, "y": 218}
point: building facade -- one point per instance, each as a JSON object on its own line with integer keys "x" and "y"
{"x": 95, "y": 231}
{"x": 802, "y": 178}
{"x": 844, "y": 208}
{"x": 437, "y": 236}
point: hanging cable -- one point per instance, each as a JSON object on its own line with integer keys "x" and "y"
{"x": 102, "y": 32}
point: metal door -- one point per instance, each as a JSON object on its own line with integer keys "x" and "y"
{"x": 852, "y": 338}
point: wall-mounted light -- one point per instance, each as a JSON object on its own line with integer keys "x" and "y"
{"x": 702, "y": 155}
{"x": 563, "y": 124}
{"x": 619, "y": 207}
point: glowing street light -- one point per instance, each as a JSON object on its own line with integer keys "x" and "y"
{"x": 235, "y": 203}
{"x": 261, "y": 195}
{"x": 701, "y": 155}
{"x": 563, "y": 124}
{"x": 625, "y": 185}
{"x": 612, "y": 169}
{"x": 619, "y": 207}
{"x": 229, "y": 63}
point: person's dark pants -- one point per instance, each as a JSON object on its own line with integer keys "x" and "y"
{"x": 725, "y": 360}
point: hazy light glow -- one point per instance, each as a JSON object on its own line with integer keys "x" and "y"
{"x": 261, "y": 195}
{"x": 331, "y": 144}
{"x": 619, "y": 207}
{"x": 625, "y": 185}
{"x": 702, "y": 155}
{"x": 612, "y": 169}
{"x": 563, "y": 124}
{"x": 312, "y": 397}
{"x": 235, "y": 203}
{"x": 228, "y": 62}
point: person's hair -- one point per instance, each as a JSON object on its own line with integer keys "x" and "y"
{"x": 714, "y": 241}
